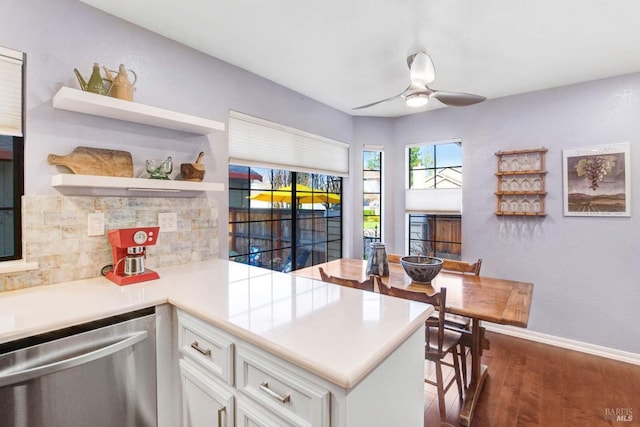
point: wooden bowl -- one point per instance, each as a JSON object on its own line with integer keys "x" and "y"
{"x": 192, "y": 171}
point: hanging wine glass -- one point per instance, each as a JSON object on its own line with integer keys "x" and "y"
{"x": 504, "y": 167}
{"x": 537, "y": 184}
{"x": 514, "y": 165}
{"x": 536, "y": 162}
{"x": 537, "y": 205}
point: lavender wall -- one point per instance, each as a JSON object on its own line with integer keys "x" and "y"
{"x": 62, "y": 35}
{"x": 585, "y": 269}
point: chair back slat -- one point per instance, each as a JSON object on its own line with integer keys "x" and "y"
{"x": 366, "y": 285}
{"x": 448, "y": 264}
{"x": 462, "y": 266}
{"x": 395, "y": 258}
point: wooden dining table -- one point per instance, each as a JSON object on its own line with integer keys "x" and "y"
{"x": 505, "y": 302}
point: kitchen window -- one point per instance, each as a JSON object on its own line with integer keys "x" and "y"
{"x": 11, "y": 152}
{"x": 434, "y": 199}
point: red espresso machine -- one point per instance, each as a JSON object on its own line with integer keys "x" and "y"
{"x": 128, "y": 251}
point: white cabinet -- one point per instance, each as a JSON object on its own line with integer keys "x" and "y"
{"x": 259, "y": 389}
{"x": 251, "y": 415}
{"x": 204, "y": 401}
{"x": 273, "y": 393}
{"x": 282, "y": 392}
{"x": 206, "y": 346}
{"x": 206, "y": 372}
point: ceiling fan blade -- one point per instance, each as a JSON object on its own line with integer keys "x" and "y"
{"x": 383, "y": 100}
{"x": 421, "y": 69}
{"x": 457, "y": 99}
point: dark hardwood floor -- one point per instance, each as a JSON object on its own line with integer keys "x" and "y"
{"x": 534, "y": 384}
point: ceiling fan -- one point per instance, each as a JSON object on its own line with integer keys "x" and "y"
{"x": 422, "y": 72}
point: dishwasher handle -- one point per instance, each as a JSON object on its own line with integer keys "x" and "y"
{"x": 38, "y": 371}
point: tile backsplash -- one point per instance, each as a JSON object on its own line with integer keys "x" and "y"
{"x": 55, "y": 235}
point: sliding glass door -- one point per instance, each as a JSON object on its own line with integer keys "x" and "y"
{"x": 283, "y": 220}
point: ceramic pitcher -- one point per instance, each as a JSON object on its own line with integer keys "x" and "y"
{"x": 377, "y": 264}
{"x": 121, "y": 86}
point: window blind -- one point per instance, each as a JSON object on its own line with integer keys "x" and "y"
{"x": 257, "y": 142}
{"x": 434, "y": 200}
{"x": 10, "y": 92}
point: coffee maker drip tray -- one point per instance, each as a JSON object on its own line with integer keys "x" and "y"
{"x": 135, "y": 278}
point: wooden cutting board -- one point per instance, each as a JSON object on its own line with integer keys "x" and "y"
{"x": 96, "y": 161}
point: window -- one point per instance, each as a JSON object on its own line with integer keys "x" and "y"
{"x": 283, "y": 220}
{"x": 433, "y": 199}
{"x": 435, "y": 166}
{"x": 439, "y": 235}
{"x": 11, "y": 152}
{"x": 285, "y": 193}
{"x": 372, "y": 198}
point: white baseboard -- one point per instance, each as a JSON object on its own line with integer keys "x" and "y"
{"x": 609, "y": 353}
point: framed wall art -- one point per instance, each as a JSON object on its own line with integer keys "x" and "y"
{"x": 597, "y": 180}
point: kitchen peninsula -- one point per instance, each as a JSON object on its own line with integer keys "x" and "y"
{"x": 345, "y": 357}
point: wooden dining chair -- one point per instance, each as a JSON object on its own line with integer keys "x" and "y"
{"x": 463, "y": 267}
{"x": 454, "y": 321}
{"x": 439, "y": 341}
{"x": 366, "y": 285}
{"x": 395, "y": 258}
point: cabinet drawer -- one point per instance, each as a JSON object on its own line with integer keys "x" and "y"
{"x": 250, "y": 414}
{"x": 204, "y": 402}
{"x": 291, "y": 395}
{"x": 206, "y": 345}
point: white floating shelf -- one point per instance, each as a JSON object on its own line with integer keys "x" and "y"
{"x": 67, "y": 180}
{"x": 105, "y": 106}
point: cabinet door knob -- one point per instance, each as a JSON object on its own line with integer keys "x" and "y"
{"x": 283, "y": 399}
{"x": 195, "y": 346}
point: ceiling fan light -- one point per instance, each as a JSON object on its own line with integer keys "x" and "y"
{"x": 417, "y": 100}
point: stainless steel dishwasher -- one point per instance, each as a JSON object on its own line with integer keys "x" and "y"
{"x": 97, "y": 374}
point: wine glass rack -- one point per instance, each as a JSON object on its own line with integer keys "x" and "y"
{"x": 521, "y": 187}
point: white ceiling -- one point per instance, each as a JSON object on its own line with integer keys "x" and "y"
{"x": 346, "y": 53}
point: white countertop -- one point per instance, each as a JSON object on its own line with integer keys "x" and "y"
{"x": 337, "y": 333}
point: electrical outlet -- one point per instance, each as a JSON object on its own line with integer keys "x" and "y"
{"x": 95, "y": 224}
{"x": 168, "y": 221}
